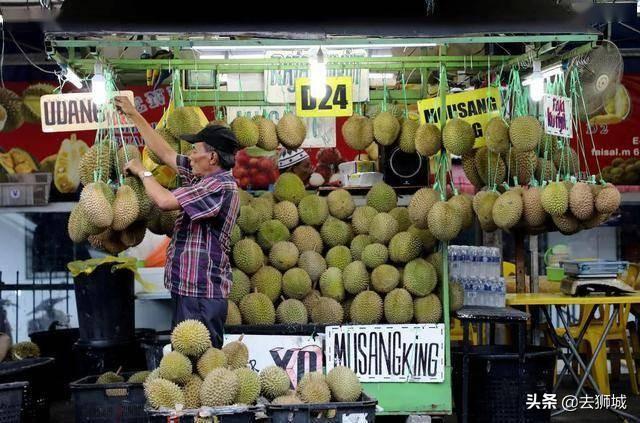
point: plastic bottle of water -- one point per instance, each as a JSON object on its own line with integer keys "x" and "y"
{"x": 501, "y": 293}
{"x": 496, "y": 262}
{"x": 454, "y": 262}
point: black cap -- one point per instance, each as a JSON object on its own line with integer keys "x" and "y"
{"x": 217, "y": 136}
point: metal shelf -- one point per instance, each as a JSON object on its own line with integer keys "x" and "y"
{"x": 61, "y": 207}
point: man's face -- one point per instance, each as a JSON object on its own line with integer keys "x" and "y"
{"x": 303, "y": 170}
{"x": 203, "y": 162}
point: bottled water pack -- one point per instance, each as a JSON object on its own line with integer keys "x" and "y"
{"x": 478, "y": 270}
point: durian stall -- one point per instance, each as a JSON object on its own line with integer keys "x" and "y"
{"x": 374, "y": 258}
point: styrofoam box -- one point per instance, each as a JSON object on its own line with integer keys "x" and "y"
{"x": 154, "y": 276}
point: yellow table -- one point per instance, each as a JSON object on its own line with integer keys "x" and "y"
{"x": 559, "y": 300}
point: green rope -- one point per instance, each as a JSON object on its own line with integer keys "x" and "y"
{"x": 404, "y": 95}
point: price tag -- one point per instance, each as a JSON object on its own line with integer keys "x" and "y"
{"x": 337, "y": 100}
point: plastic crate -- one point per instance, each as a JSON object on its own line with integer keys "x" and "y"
{"x": 231, "y": 414}
{"x": 39, "y": 373}
{"x": 324, "y": 413}
{"x": 28, "y": 189}
{"x": 11, "y": 399}
{"x": 110, "y": 402}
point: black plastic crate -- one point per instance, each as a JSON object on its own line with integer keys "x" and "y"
{"x": 11, "y": 401}
{"x": 152, "y": 345}
{"x": 322, "y": 413}
{"x": 110, "y": 402}
{"x": 38, "y": 372}
{"x": 231, "y": 414}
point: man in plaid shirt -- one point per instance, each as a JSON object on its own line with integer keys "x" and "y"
{"x": 198, "y": 269}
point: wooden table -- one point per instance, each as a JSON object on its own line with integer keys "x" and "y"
{"x": 559, "y": 300}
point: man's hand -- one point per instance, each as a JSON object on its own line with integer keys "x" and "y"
{"x": 134, "y": 167}
{"x": 125, "y": 107}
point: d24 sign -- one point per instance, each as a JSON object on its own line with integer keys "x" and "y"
{"x": 336, "y": 101}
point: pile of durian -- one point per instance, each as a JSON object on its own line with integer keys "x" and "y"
{"x": 195, "y": 375}
{"x": 18, "y": 351}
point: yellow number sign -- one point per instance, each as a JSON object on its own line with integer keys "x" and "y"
{"x": 337, "y": 100}
{"x": 476, "y": 107}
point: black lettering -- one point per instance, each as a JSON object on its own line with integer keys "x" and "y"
{"x": 450, "y": 109}
{"x": 61, "y": 113}
{"x": 373, "y": 353}
{"x": 73, "y": 112}
{"x": 434, "y": 349}
{"x": 421, "y": 367}
{"x": 406, "y": 349}
{"x": 340, "y": 353}
{"x": 477, "y": 129}
{"x": 307, "y": 101}
{"x": 340, "y": 96}
{"x": 462, "y": 110}
{"x": 49, "y": 113}
{"x": 432, "y": 115}
{"x": 362, "y": 356}
{"x": 304, "y": 358}
{"x": 96, "y": 111}
{"x": 397, "y": 360}
{"x": 281, "y": 362}
{"x": 385, "y": 353}
{"x": 85, "y": 112}
{"x": 324, "y": 103}
{"x": 493, "y": 104}
{"x": 481, "y": 105}
{"x": 472, "y": 108}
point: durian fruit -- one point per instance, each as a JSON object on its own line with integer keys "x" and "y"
{"x": 341, "y": 204}
{"x": 313, "y": 263}
{"x": 96, "y": 201}
{"x": 339, "y": 256}
{"x": 383, "y": 227}
{"x": 191, "y": 391}
{"x": 545, "y": 170}
{"x": 191, "y": 337}
{"x": 358, "y": 244}
{"x": 361, "y": 219}
{"x": 175, "y": 367}
{"x": 523, "y": 165}
{"x": 96, "y": 163}
{"x": 219, "y": 388}
{"x": 385, "y": 278}
{"x": 344, "y": 384}
{"x": 567, "y": 224}
{"x": 398, "y": 306}
{"x": 125, "y": 154}
{"x": 185, "y": 120}
{"x": 291, "y": 131}
{"x": 386, "y": 128}
{"x": 292, "y": 312}
{"x": 357, "y": 132}
{"x": 145, "y": 203}
{"x": 408, "y": 130}
{"x": 463, "y": 202}
{"x": 555, "y": 199}
{"x": 267, "y": 135}
{"x": 566, "y": 160}
{"x": 444, "y": 220}
{"x": 313, "y": 210}
{"x": 315, "y": 392}
{"x": 13, "y": 107}
{"x": 284, "y": 255}
{"x": 366, "y": 308}
{"x": 382, "y": 197}
{"x": 162, "y": 393}
{"x": 308, "y": 377}
{"x": 108, "y": 241}
{"x": 173, "y": 142}
{"x": 289, "y": 187}
{"x": 608, "y": 200}
{"x": 456, "y": 296}
{"x": 109, "y": 377}
{"x": 331, "y": 284}
{"x": 426, "y": 238}
{"x": 296, "y": 283}
{"x": 404, "y": 247}
{"x": 496, "y": 135}
{"x": 125, "y": 208}
{"x": 307, "y": 238}
{"x": 248, "y": 220}
{"x": 419, "y": 277}
{"x": 427, "y": 309}
{"x": 428, "y": 140}
{"x": 246, "y": 131}
{"x": 249, "y": 389}
{"x": 257, "y": 309}
{"x": 212, "y": 358}
{"x": 374, "y": 255}
{"x": 270, "y": 232}
{"x": 490, "y": 167}
{"x": 435, "y": 259}
{"x": 420, "y": 205}
{"x": 248, "y": 256}
{"x": 287, "y": 400}
{"x": 470, "y": 169}
{"x": 336, "y": 232}
{"x": 326, "y": 311}
{"x": 525, "y": 133}
{"x": 66, "y": 172}
{"x": 240, "y": 286}
{"x": 287, "y": 213}
{"x": 532, "y": 210}
{"x": 234, "y": 317}
{"x": 373, "y": 151}
{"x": 268, "y": 280}
{"x": 458, "y": 136}
{"x": 355, "y": 277}
{"x": 237, "y": 354}
{"x": 78, "y": 227}
{"x": 31, "y": 101}
{"x": 401, "y": 214}
{"x": 507, "y": 210}
{"x": 274, "y": 382}
{"x": 581, "y": 201}
{"x": 139, "y": 377}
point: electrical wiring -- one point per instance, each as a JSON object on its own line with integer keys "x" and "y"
{"x": 24, "y": 54}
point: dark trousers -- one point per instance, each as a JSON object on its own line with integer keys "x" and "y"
{"x": 210, "y": 311}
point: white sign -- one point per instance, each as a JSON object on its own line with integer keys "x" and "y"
{"x": 321, "y": 132}
{"x": 77, "y": 112}
{"x": 280, "y": 84}
{"x": 557, "y": 116}
{"x": 388, "y": 353}
{"x": 296, "y": 354}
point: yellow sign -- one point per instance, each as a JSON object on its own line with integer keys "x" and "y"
{"x": 337, "y": 100}
{"x": 475, "y": 107}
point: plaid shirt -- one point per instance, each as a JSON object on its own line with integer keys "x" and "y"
{"x": 198, "y": 262}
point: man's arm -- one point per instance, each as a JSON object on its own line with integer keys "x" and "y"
{"x": 152, "y": 139}
{"x": 162, "y": 197}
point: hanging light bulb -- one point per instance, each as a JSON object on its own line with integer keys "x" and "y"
{"x": 70, "y": 76}
{"x": 536, "y": 88}
{"x": 99, "y": 85}
{"x": 318, "y": 74}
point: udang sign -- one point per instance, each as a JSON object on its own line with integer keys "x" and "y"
{"x": 475, "y": 107}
